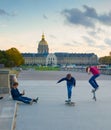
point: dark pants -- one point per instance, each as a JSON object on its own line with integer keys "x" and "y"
{"x": 23, "y": 99}
{"x": 93, "y": 82}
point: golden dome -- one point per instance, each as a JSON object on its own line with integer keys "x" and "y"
{"x": 43, "y": 41}
{"x": 43, "y": 46}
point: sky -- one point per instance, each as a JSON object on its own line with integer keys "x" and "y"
{"x": 74, "y": 26}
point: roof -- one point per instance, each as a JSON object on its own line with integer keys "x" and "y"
{"x": 43, "y": 41}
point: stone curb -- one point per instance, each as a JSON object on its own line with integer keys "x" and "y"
{"x": 14, "y": 116}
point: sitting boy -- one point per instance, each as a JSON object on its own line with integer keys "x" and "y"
{"x": 16, "y": 95}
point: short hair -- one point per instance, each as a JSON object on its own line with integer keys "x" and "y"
{"x": 68, "y": 76}
{"x": 87, "y": 69}
{"x": 15, "y": 83}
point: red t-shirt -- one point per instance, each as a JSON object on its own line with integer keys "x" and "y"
{"x": 94, "y": 70}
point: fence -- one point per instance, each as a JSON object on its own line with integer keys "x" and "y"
{"x": 106, "y": 71}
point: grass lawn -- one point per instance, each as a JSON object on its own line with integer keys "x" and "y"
{"x": 45, "y": 68}
{"x": 42, "y": 68}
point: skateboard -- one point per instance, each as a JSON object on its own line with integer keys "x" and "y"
{"x": 94, "y": 95}
{"x": 70, "y": 103}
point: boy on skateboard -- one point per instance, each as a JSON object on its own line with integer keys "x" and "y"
{"x": 70, "y": 83}
{"x": 96, "y": 73}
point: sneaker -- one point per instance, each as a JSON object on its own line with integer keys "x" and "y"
{"x": 35, "y": 100}
{"x": 1, "y": 97}
{"x": 68, "y": 101}
{"x": 93, "y": 90}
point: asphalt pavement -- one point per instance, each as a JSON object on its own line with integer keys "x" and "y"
{"x": 51, "y": 113}
{"x": 8, "y": 109}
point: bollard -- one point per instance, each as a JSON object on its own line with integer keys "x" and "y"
{"x": 4, "y": 81}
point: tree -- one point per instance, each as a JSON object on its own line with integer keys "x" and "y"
{"x": 15, "y": 58}
{"x": 3, "y": 57}
{"x": 105, "y": 60}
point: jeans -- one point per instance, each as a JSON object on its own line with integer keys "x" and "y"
{"x": 23, "y": 99}
{"x": 93, "y": 82}
{"x": 69, "y": 90}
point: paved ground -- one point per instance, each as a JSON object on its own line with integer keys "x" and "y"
{"x": 7, "y": 111}
{"x": 55, "y": 75}
{"x": 50, "y": 113}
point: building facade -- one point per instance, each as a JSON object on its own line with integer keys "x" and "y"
{"x": 43, "y": 57}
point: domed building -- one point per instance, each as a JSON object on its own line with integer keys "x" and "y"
{"x": 43, "y": 57}
{"x": 43, "y": 46}
{"x": 51, "y": 60}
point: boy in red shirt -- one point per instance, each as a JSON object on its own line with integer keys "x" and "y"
{"x": 96, "y": 73}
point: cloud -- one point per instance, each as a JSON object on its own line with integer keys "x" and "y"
{"x": 89, "y": 41}
{"x": 77, "y": 43}
{"x": 74, "y": 43}
{"x": 52, "y": 36}
{"x": 102, "y": 47}
{"x": 107, "y": 41}
{"x": 93, "y": 34}
{"x": 68, "y": 44}
{"x": 77, "y": 17}
{"x": 105, "y": 18}
{"x": 87, "y": 18}
{"x": 3, "y": 12}
{"x": 90, "y": 12}
{"x": 96, "y": 33}
{"x": 44, "y": 16}
{"x": 14, "y": 13}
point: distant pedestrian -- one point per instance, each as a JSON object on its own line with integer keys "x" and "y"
{"x": 16, "y": 95}
{"x": 96, "y": 73}
{"x": 71, "y": 82}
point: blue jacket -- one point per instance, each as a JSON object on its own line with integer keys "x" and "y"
{"x": 15, "y": 93}
{"x": 71, "y": 82}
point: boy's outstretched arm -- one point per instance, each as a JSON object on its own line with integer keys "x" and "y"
{"x": 61, "y": 80}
